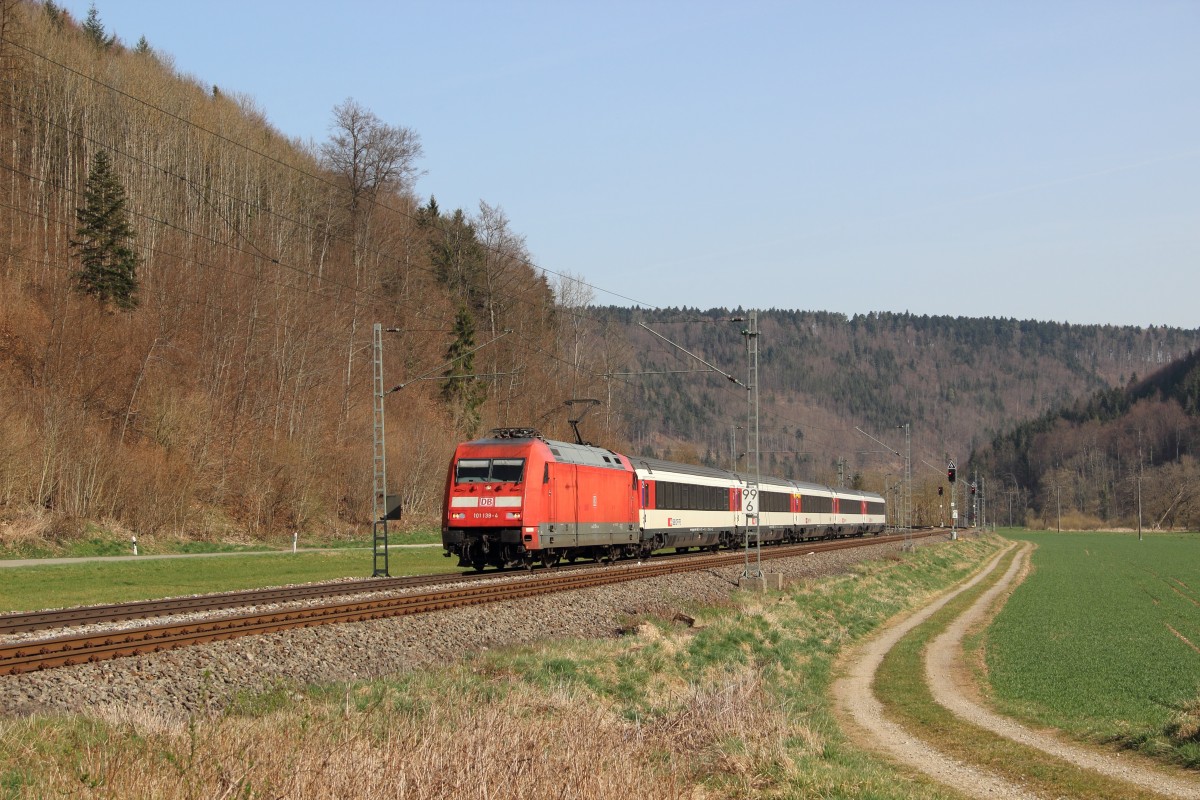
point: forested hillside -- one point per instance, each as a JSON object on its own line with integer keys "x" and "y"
{"x": 957, "y": 382}
{"x": 187, "y": 300}
{"x": 1105, "y": 460}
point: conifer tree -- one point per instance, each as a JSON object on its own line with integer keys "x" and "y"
{"x": 54, "y": 13}
{"x": 104, "y": 240}
{"x": 93, "y": 28}
{"x": 463, "y": 392}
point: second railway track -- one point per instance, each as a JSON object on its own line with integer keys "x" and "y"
{"x": 31, "y": 655}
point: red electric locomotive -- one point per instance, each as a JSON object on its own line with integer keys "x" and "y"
{"x": 516, "y": 498}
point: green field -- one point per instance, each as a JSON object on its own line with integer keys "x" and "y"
{"x": 108, "y": 581}
{"x": 1102, "y": 640}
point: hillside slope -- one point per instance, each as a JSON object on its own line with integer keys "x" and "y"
{"x": 957, "y": 382}
{"x": 1109, "y": 458}
{"x": 234, "y": 392}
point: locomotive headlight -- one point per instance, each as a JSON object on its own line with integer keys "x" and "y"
{"x": 458, "y": 515}
{"x": 513, "y": 515}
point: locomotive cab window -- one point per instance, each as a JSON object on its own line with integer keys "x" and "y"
{"x": 508, "y": 470}
{"x": 489, "y": 470}
{"x": 472, "y": 470}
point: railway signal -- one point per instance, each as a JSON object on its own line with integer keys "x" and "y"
{"x": 951, "y": 471}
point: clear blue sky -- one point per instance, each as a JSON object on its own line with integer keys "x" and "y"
{"x": 1036, "y": 160}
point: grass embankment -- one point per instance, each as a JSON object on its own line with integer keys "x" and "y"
{"x": 734, "y": 708}
{"x": 1103, "y": 641}
{"x": 98, "y": 582}
{"x": 900, "y": 685}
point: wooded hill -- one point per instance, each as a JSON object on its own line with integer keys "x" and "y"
{"x": 1105, "y": 460}
{"x": 212, "y": 372}
{"x": 958, "y": 382}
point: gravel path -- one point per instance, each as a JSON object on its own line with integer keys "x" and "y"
{"x": 949, "y": 680}
{"x": 177, "y": 683}
{"x": 856, "y": 704}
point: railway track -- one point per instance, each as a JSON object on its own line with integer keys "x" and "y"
{"x": 472, "y": 589}
{"x": 149, "y": 609}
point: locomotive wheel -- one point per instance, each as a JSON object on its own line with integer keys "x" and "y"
{"x": 550, "y": 559}
{"x": 478, "y": 563}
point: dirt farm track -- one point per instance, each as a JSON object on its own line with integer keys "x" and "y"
{"x": 950, "y": 682}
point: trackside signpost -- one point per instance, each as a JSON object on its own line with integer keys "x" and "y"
{"x": 952, "y": 475}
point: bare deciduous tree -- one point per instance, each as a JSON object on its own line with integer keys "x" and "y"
{"x": 373, "y": 160}
{"x": 574, "y": 295}
{"x": 369, "y": 155}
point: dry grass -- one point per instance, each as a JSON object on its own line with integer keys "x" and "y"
{"x": 534, "y": 744}
{"x": 735, "y": 730}
{"x": 524, "y": 747}
{"x": 1185, "y": 726}
{"x": 462, "y": 733}
{"x": 39, "y": 530}
{"x": 27, "y": 530}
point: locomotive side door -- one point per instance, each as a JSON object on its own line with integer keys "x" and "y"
{"x": 564, "y": 501}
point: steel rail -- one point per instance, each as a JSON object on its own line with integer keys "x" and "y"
{"x": 25, "y": 621}
{"x": 40, "y": 654}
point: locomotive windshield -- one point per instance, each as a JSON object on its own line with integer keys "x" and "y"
{"x": 489, "y": 470}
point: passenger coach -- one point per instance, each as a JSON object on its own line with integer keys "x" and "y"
{"x": 684, "y": 506}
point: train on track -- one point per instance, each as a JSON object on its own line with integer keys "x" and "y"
{"x": 518, "y": 499}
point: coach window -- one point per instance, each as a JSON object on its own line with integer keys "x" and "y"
{"x": 815, "y": 504}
